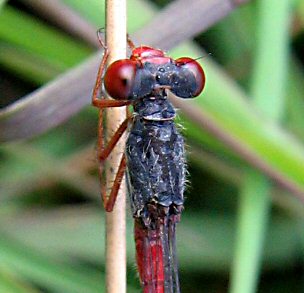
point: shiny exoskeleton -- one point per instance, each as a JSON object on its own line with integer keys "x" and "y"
{"x": 156, "y": 176}
{"x": 155, "y": 156}
{"x": 154, "y": 149}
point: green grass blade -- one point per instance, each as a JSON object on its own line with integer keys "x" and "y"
{"x": 294, "y": 100}
{"x": 10, "y": 284}
{"x": 226, "y": 104}
{"x": 26, "y": 65}
{"x": 41, "y": 270}
{"x": 18, "y": 28}
{"x": 253, "y": 215}
{"x": 270, "y": 70}
{"x": 268, "y": 86}
{"x": 53, "y": 234}
{"x": 95, "y": 12}
{"x": 2, "y": 2}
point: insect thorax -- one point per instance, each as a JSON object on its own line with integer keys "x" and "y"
{"x": 156, "y": 108}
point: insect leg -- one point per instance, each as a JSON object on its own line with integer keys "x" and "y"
{"x": 109, "y": 202}
{"x": 103, "y": 103}
{"x": 100, "y": 72}
{"x": 130, "y": 43}
{"x": 103, "y": 153}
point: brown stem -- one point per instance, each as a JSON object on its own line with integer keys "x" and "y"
{"x": 176, "y": 16}
{"x": 61, "y": 98}
{"x": 116, "y": 32}
{"x": 62, "y": 15}
{"x": 204, "y": 120}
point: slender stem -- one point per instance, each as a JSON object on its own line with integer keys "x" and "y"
{"x": 32, "y": 113}
{"x": 268, "y": 84}
{"x": 115, "y": 220}
{"x": 253, "y": 217}
{"x": 67, "y": 18}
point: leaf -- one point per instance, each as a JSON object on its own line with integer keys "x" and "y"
{"x": 17, "y": 28}
{"x": 41, "y": 270}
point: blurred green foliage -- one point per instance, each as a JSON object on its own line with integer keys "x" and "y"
{"x": 51, "y": 219}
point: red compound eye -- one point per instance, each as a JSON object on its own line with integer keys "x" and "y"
{"x": 119, "y": 79}
{"x": 196, "y": 69}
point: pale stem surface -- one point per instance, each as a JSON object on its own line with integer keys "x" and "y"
{"x": 115, "y": 220}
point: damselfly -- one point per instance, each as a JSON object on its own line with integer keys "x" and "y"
{"x": 154, "y": 156}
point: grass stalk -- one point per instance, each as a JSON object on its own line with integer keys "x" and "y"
{"x": 268, "y": 84}
{"x": 116, "y": 220}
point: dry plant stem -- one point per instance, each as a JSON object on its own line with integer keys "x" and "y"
{"x": 116, "y": 220}
{"x": 199, "y": 11}
{"x": 203, "y": 119}
{"x": 55, "y": 102}
{"x": 65, "y": 17}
